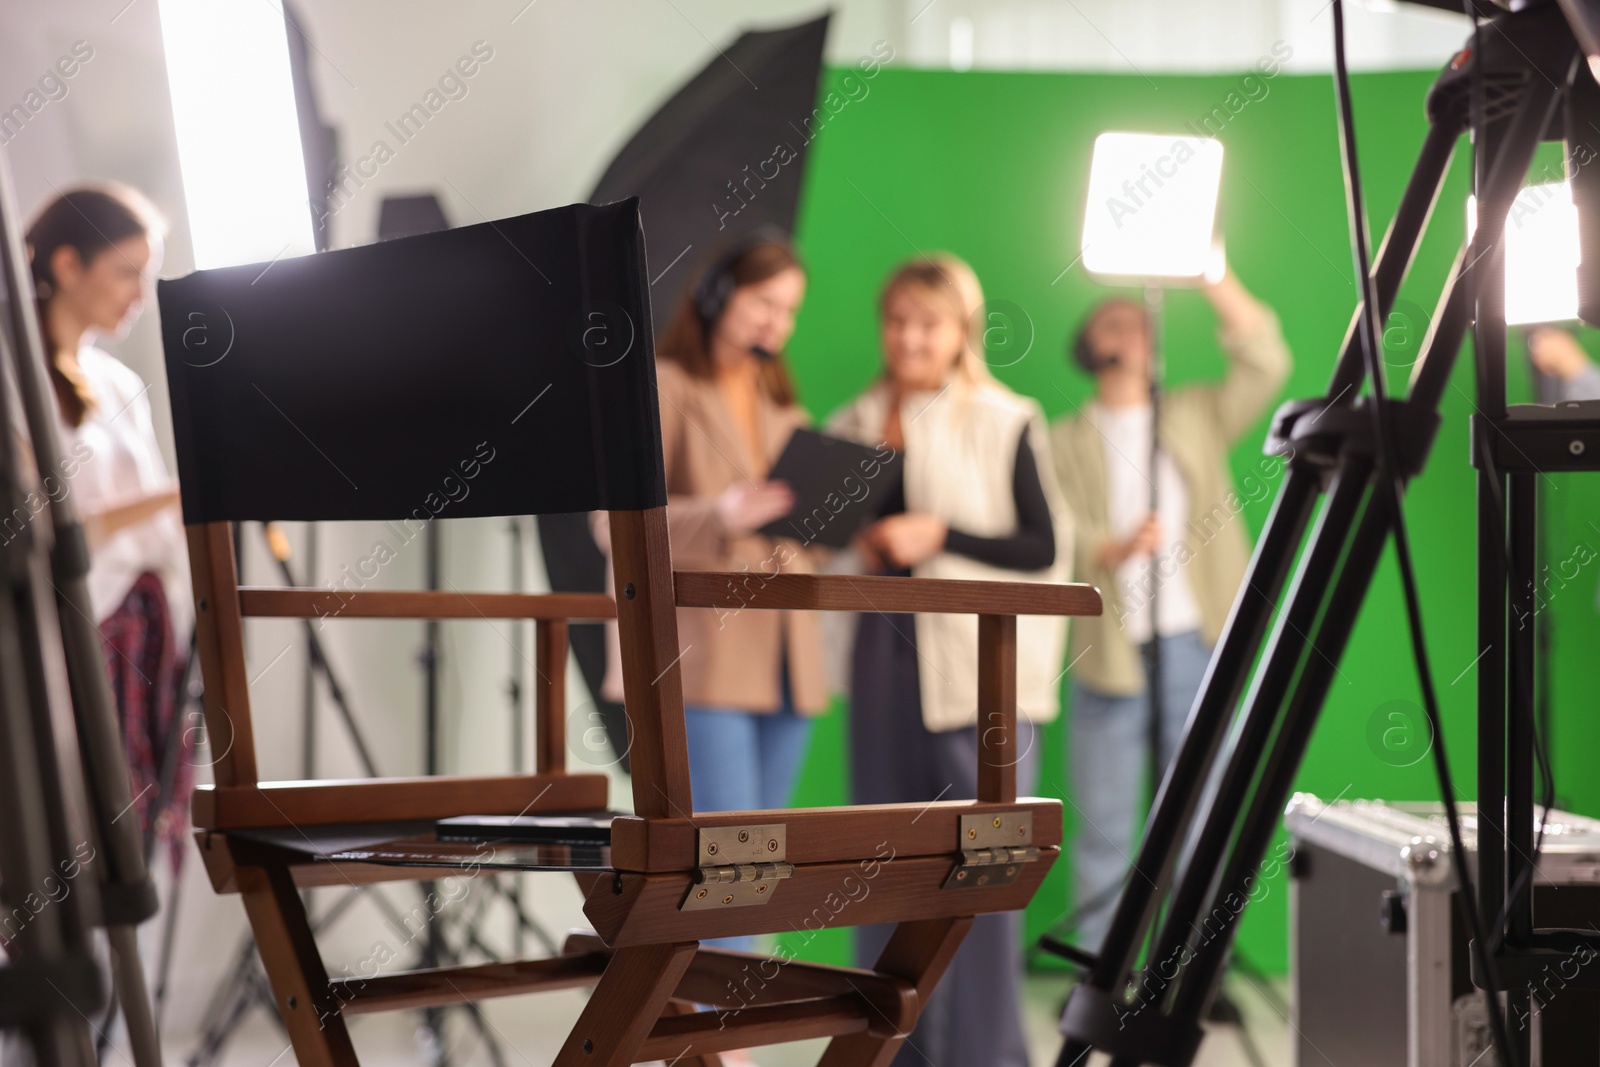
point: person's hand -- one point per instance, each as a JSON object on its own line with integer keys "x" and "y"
{"x": 866, "y": 546}
{"x": 1557, "y": 353}
{"x": 1240, "y": 312}
{"x": 909, "y": 539}
{"x": 745, "y": 506}
{"x": 100, "y": 526}
{"x": 1144, "y": 541}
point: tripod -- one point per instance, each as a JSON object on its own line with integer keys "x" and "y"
{"x": 63, "y": 772}
{"x": 1528, "y": 65}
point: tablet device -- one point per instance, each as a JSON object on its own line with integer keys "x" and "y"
{"x": 839, "y": 486}
{"x": 586, "y": 828}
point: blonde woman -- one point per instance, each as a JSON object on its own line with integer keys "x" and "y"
{"x": 978, "y": 499}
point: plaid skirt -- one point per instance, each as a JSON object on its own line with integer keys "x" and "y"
{"x": 146, "y": 669}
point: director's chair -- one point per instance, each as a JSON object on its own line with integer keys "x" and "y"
{"x": 507, "y": 368}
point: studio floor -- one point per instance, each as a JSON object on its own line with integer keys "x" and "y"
{"x": 530, "y": 1031}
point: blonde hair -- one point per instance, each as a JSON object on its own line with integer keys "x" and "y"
{"x": 950, "y": 285}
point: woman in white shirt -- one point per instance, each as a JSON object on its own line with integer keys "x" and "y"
{"x": 978, "y": 499}
{"x": 94, "y": 250}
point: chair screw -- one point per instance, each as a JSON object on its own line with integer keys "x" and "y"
{"x": 588, "y": 1046}
{"x": 627, "y": 591}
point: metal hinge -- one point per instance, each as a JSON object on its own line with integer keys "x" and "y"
{"x": 739, "y": 865}
{"x": 993, "y": 849}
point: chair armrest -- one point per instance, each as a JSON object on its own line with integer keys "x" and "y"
{"x": 301, "y": 603}
{"x": 736, "y": 590}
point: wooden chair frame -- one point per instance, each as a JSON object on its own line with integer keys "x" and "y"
{"x": 644, "y": 961}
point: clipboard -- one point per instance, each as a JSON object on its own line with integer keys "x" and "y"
{"x": 839, "y": 486}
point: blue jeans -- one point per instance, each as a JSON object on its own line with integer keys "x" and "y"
{"x": 1110, "y": 751}
{"x": 742, "y": 761}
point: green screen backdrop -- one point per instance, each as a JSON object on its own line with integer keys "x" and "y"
{"x": 994, "y": 167}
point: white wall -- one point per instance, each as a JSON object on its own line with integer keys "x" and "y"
{"x": 567, "y": 84}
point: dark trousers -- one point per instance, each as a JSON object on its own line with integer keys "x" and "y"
{"x": 974, "y": 1018}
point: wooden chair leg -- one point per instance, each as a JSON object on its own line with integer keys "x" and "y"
{"x": 710, "y": 1059}
{"x": 630, "y": 997}
{"x": 309, "y": 1010}
{"x": 919, "y": 952}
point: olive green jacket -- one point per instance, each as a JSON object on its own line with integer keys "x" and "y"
{"x": 1198, "y": 426}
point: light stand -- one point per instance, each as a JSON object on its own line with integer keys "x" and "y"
{"x": 1151, "y": 219}
{"x": 1154, "y": 313}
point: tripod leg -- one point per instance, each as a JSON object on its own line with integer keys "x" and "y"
{"x": 1283, "y": 654}
{"x": 169, "y": 938}
{"x": 1324, "y": 646}
{"x": 294, "y": 967}
{"x": 488, "y": 1034}
{"x": 132, "y": 993}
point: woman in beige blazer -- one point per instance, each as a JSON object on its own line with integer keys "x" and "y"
{"x": 978, "y": 499}
{"x": 751, "y": 678}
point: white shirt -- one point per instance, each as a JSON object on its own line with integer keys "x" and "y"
{"x": 1126, "y": 435}
{"x": 110, "y": 459}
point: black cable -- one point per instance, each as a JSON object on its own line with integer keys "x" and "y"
{"x": 1390, "y": 475}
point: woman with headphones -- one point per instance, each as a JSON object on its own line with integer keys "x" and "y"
{"x": 751, "y": 679}
{"x": 978, "y": 499}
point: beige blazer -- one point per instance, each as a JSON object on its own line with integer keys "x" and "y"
{"x": 731, "y": 658}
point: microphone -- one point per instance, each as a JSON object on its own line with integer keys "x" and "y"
{"x": 763, "y": 354}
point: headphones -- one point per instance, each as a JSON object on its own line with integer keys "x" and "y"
{"x": 1083, "y": 354}
{"x": 717, "y": 284}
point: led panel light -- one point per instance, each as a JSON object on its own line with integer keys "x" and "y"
{"x": 1152, "y": 206}
{"x": 1541, "y": 253}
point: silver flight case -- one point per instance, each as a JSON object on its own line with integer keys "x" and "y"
{"x": 1378, "y": 941}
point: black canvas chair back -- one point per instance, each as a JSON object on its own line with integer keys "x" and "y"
{"x": 505, "y": 368}
{"x": 497, "y": 369}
